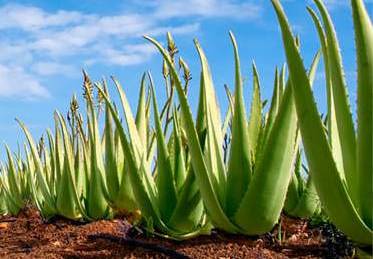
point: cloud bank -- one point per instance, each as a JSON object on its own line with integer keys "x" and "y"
{"x": 36, "y": 43}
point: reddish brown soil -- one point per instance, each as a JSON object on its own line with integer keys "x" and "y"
{"x": 27, "y": 236}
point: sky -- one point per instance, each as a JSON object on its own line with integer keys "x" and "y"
{"x": 44, "y": 45}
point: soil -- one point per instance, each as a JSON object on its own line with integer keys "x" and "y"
{"x": 28, "y": 236}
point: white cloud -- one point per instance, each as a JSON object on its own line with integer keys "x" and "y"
{"x": 15, "y": 82}
{"x": 206, "y": 9}
{"x": 42, "y": 43}
{"x": 53, "y": 68}
{"x": 31, "y": 18}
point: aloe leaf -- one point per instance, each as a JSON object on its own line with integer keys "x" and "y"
{"x": 52, "y": 161}
{"x": 146, "y": 200}
{"x": 273, "y": 110}
{"x": 308, "y": 203}
{"x": 68, "y": 202}
{"x": 239, "y": 167}
{"x": 96, "y": 204}
{"x": 262, "y": 203}
{"x": 333, "y": 134}
{"x": 132, "y": 129}
{"x": 137, "y": 147}
{"x": 141, "y": 121}
{"x": 111, "y": 163}
{"x": 179, "y": 161}
{"x": 165, "y": 178}
{"x": 364, "y": 53}
{"x": 42, "y": 183}
{"x": 187, "y": 218}
{"x": 79, "y": 167}
{"x": 228, "y": 115}
{"x": 346, "y": 132}
{"x": 293, "y": 194}
{"x": 302, "y": 200}
{"x": 208, "y": 193}
{"x": 255, "y": 121}
{"x": 37, "y": 199}
{"x": 12, "y": 177}
{"x": 58, "y": 153}
{"x": 214, "y": 138}
{"x": 201, "y": 113}
{"x": 336, "y": 200}
{"x": 282, "y": 79}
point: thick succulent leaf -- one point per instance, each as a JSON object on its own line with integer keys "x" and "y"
{"x": 146, "y": 200}
{"x": 36, "y": 198}
{"x": 165, "y": 178}
{"x": 3, "y": 206}
{"x": 141, "y": 119}
{"x": 282, "y": 80}
{"x": 111, "y": 162}
{"x": 189, "y": 212}
{"x": 13, "y": 178}
{"x": 228, "y": 115}
{"x": 201, "y": 120}
{"x": 346, "y": 132}
{"x": 137, "y": 147}
{"x": 364, "y": 53}
{"x": 125, "y": 200}
{"x": 336, "y": 200}
{"x": 214, "y": 137}
{"x": 208, "y": 194}
{"x": 130, "y": 121}
{"x": 308, "y": 203}
{"x": 79, "y": 168}
{"x": 334, "y": 140}
{"x": 96, "y": 205}
{"x": 255, "y": 121}
{"x": 262, "y": 203}
{"x": 293, "y": 194}
{"x": 68, "y": 202}
{"x": 239, "y": 167}
{"x": 179, "y": 166}
{"x": 42, "y": 183}
{"x": 58, "y": 153}
{"x": 273, "y": 109}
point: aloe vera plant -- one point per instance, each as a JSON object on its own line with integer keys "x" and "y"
{"x": 67, "y": 177}
{"x": 247, "y": 194}
{"x": 340, "y": 161}
{"x": 14, "y": 184}
{"x": 168, "y": 199}
{"x": 301, "y": 199}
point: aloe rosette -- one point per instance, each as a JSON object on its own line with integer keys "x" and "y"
{"x": 168, "y": 199}
{"x": 67, "y": 176}
{"x": 301, "y": 199}
{"x": 340, "y": 161}
{"x": 14, "y": 185}
{"x": 247, "y": 194}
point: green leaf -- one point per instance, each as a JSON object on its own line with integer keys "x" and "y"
{"x": 334, "y": 139}
{"x": 141, "y": 119}
{"x": 255, "y": 121}
{"x": 364, "y": 53}
{"x": 208, "y": 193}
{"x": 346, "y": 132}
{"x": 336, "y": 200}
{"x": 214, "y": 137}
{"x": 165, "y": 178}
{"x": 239, "y": 167}
{"x": 262, "y": 203}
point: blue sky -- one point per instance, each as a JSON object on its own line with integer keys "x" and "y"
{"x": 45, "y": 44}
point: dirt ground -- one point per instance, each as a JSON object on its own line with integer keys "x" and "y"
{"x": 28, "y": 236}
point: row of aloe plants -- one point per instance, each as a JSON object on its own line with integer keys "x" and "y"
{"x": 185, "y": 176}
